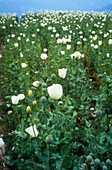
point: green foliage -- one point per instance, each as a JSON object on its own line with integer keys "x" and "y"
{"x": 75, "y": 131}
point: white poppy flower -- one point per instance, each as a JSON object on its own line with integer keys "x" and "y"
{"x": 110, "y": 41}
{"x": 77, "y": 54}
{"x": 43, "y": 56}
{"x": 21, "y": 96}
{"x": 59, "y": 41}
{"x": 21, "y": 55}
{"x": 32, "y": 131}
{"x": 57, "y": 35}
{"x": 1, "y": 142}
{"x": 24, "y": 65}
{"x": 55, "y": 91}
{"x": 36, "y": 83}
{"x": 45, "y": 50}
{"x": 62, "y": 52}
{"x": 108, "y": 54}
{"x": 62, "y": 72}
{"x": 95, "y": 46}
{"x": 16, "y": 45}
{"x": 15, "y": 99}
{"x": 100, "y": 42}
{"x": 68, "y": 47}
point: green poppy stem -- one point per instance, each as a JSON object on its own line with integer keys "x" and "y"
{"x": 44, "y": 110}
{"x": 49, "y": 155}
{"x": 56, "y": 106}
{"x": 66, "y": 86}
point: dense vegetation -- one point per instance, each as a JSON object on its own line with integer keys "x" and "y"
{"x": 56, "y": 80}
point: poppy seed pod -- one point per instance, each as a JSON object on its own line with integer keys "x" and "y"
{"x": 109, "y": 162}
{"x": 97, "y": 161}
{"x": 53, "y": 76}
{"x": 89, "y": 159}
{"x": 39, "y": 126}
{"x": 49, "y": 139}
{"x": 104, "y": 167}
{"x": 44, "y": 85}
{"x": 43, "y": 100}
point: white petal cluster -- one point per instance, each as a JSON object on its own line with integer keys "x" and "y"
{"x": 21, "y": 96}
{"x": 1, "y": 142}
{"x": 36, "y": 83}
{"x": 16, "y": 45}
{"x": 62, "y": 72}
{"x": 24, "y": 65}
{"x": 110, "y": 41}
{"x": 15, "y": 99}
{"x": 43, "y": 56}
{"x": 76, "y": 55}
{"x": 55, "y": 91}
{"x": 32, "y": 131}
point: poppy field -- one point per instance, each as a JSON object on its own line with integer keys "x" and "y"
{"x": 56, "y": 86}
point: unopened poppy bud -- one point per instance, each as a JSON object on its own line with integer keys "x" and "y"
{"x": 76, "y": 129}
{"x": 28, "y": 109}
{"x": 30, "y": 92}
{"x": 27, "y": 73}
